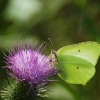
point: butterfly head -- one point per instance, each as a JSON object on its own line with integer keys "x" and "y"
{"x": 53, "y": 52}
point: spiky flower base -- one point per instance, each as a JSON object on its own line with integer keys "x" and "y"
{"x": 15, "y": 90}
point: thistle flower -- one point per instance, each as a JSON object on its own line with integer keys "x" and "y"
{"x": 28, "y": 64}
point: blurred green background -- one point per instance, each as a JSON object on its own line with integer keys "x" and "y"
{"x": 65, "y": 22}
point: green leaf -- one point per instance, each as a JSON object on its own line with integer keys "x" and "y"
{"x": 78, "y": 61}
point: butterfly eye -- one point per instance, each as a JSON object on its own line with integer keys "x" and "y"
{"x": 53, "y": 52}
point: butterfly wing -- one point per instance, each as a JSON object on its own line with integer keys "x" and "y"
{"x": 78, "y": 62}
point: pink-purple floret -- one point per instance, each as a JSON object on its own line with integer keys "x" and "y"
{"x": 29, "y": 64}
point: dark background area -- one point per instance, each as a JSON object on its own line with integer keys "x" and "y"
{"x": 65, "y": 22}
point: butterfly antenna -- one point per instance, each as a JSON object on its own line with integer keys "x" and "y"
{"x": 51, "y": 43}
{"x": 47, "y": 44}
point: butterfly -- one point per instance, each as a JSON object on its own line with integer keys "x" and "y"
{"x": 77, "y": 61}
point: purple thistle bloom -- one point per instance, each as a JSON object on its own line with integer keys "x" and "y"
{"x": 29, "y": 64}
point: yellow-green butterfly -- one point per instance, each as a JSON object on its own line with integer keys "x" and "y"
{"x": 77, "y": 61}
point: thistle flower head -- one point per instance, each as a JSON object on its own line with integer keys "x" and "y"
{"x": 29, "y": 64}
